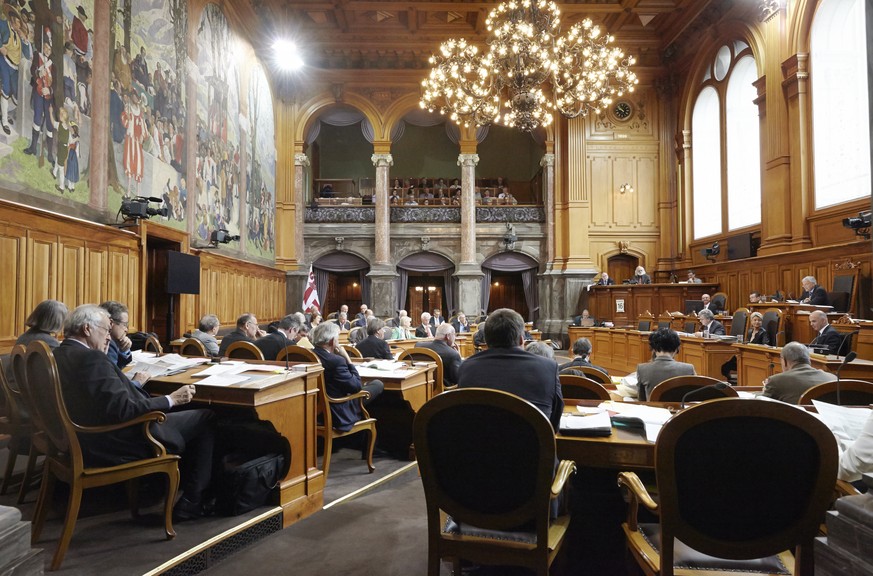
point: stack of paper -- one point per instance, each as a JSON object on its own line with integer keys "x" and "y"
{"x": 157, "y": 366}
{"x": 653, "y": 418}
{"x": 586, "y": 425}
{"x": 846, "y": 423}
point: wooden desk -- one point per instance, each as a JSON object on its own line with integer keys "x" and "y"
{"x": 755, "y": 363}
{"x": 706, "y": 355}
{"x": 795, "y": 318}
{"x": 623, "y": 303}
{"x": 623, "y": 450}
{"x": 289, "y": 402}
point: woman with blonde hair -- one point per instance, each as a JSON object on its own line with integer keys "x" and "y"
{"x": 403, "y": 332}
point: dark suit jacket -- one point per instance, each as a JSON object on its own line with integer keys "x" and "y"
{"x": 644, "y": 279}
{"x": 450, "y": 357}
{"x": 581, "y": 362}
{"x": 272, "y": 344}
{"x": 831, "y": 338}
{"x": 762, "y": 337}
{"x": 817, "y": 296}
{"x": 344, "y": 325}
{"x": 609, "y": 282}
{"x": 374, "y": 347}
{"x": 340, "y": 380}
{"x": 653, "y": 373}
{"x": 513, "y": 370}
{"x": 235, "y": 336}
{"x": 715, "y": 328}
{"x": 421, "y": 331}
{"x": 713, "y": 307}
{"x": 433, "y": 322}
{"x": 96, "y": 393}
{"x": 457, "y": 326}
{"x": 116, "y": 356}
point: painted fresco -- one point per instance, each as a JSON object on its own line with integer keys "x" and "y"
{"x": 148, "y": 60}
{"x": 217, "y": 180}
{"x": 261, "y": 167}
{"x": 45, "y": 98}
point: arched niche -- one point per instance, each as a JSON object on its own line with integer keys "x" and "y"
{"x": 425, "y": 282}
{"x": 517, "y": 287}
{"x": 341, "y": 278}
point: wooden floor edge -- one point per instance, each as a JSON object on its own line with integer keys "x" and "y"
{"x": 368, "y": 487}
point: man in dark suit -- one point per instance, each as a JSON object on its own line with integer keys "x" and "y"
{"x": 341, "y": 378}
{"x": 605, "y": 280}
{"x": 507, "y": 367}
{"x": 361, "y": 317}
{"x": 444, "y": 344}
{"x": 797, "y": 375}
{"x": 711, "y": 326}
{"x": 119, "y": 344}
{"x": 581, "y": 353}
{"x": 813, "y": 293}
{"x": 246, "y": 331}
{"x": 285, "y": 335}
{"x": 98, "y": 393}
{"x": 460, "y": 324}
{"x": 342, "y": 321}
{"x": 424, "y": 329}
{"x": 826, "y": 336}
{"x": 436, "y": 319}
{"x": 708, "y": 304}
{"x": 374, "y": 346}
{"x": 664, "y": 344}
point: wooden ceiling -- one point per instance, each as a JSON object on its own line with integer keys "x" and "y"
{"x": 402, "y": 34}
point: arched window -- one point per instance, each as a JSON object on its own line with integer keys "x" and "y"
{"x": 725, "y": 144}
{"x": 838, "y": 69}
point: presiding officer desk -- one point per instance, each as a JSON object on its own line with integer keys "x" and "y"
{"x": 622, "y": 304}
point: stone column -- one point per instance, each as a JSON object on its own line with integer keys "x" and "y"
{"x": 551, "y": 286}
{"x": 548, "y": 164}
{"x": 468, "y": 273}
{"x": 383, "y": 289}
{"x": 98, "y": 163}
{"x": 301, "y": 162}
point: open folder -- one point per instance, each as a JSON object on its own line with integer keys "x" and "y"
{"x": 586, "y": 425}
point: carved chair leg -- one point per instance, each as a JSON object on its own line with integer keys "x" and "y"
{"x": 133, "y": 496}
{"x": 328, "y": 446}
{"x": 172, "y": 489}
{"x": 28, "y": 474}
{"x": 372, "y": 444}
{"x": 69, "y": 524}
{"x": 46, "y": 490}
{"x": 10, "y": 467}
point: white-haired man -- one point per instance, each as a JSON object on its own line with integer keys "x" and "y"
{"x": 444, "y": 345}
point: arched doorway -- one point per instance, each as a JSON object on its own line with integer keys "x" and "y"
{"x": 341, "y": 278}
{"x": 425, "y": 282}
{"x": 510, "y": 281}
{"x": 621, "y": 267}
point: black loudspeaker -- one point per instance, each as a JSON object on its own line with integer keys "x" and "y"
{"x": 183, "y": 273}
{"x": 741, "y": 246}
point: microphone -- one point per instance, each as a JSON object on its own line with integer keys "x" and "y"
{"x": 716, "y": 386}
{"x": 849, "y": 357}
{"x": 770, "y": 369}
{"x": 843, "y": 343}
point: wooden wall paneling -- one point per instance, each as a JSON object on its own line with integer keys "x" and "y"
{"x": 97, "y": 276}
{"x": 646, "y": 189}
{"x": 41, "y": 269}
{"x": 72, "y": 271}
{"x": 13, "y": 255}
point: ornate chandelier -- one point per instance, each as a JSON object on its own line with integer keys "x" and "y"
{"x": 528, "y": 71}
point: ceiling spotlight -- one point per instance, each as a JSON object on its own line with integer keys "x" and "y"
{"x": 287, "y": 55}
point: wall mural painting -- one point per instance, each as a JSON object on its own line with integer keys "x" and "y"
{"x": 261, "y": 167}
{"x": 45, "y": 97}
{"x": 148, "y": 60}
{"x": 217, "y": 184}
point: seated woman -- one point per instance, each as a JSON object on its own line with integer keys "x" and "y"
{"x": 755, "y": 335}
{"x": 44, "y": 322}
{"x": 403, "y": 331}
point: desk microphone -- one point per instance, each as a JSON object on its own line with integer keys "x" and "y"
{"x": 849, "y": 357}
{"x": 716, "y": 386}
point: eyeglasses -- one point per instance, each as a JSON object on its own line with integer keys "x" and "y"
{"x": 104, "y": 328}
{"x": 125, "y": 324}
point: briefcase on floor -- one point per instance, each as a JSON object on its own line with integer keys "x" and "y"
{"x": 243, "y": 485}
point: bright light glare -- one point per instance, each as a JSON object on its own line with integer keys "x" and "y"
{"x": 286, "y": 55}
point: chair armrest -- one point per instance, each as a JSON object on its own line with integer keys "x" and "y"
{"x": 144, "y": 419}
{"x": 844, "y": 488}
{"x": 637, "y": 495}
{"x": 565, "y": 469}
{"x": 363, "y": 395}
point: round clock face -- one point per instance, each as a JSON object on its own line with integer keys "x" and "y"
{"x": 622, "y": 110}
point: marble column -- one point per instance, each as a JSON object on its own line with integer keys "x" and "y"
{"x": 548, "y": 164}
{"x": 468, "y": 272}
{"x": 551, "y": 286}
{"x": 383, "y": 288}
{"x": 98, "y": 162}
{"x": 301, "y": 162}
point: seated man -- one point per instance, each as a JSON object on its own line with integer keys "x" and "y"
{"x": 343, "y": 322}
{"x": 119, "y": 344}
{"x": 246, "y": 331}
{"x": 605, "y": 280}
{"x": 436, "y": 319}
{"x": 585, "y": 320}
{"x": 813, "y": 293}
{"x": 374, "y": 345}
{"x": 797, "y": 375}
{"x": 827, "y": 339}
{"x": 507, "y": 367}
{"x": 98, "y": 393}
{"x": 424, "y": 330}
{"x": 756, "y": 297}
{"x": 285, "y": 335}
{"x": 206, "y": 332}
{"x": 460, "y": 324}
{"x": 444, "y": 345}
{"x": 341, "y": 378}
{"x": 692, "y": 278}
{"x": 664, "y": 344}
{"x": 711, "y": 326}
{"x": 708, "y": 304}
{"x": 581, "y": 353}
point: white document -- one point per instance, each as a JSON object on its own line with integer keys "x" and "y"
{"x": 223, "y": 380}
{"x": 217, "y": 369}
{"x": 846, "y": 423}
{"x": 383, "y": 365}
{"x": 579, "y": 422}
{"x": 653, "y": 418}
{"x": 365, "y": 372}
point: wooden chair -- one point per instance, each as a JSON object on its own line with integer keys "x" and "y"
{"x": 582, "y": 388}
{"x": 595, "y": 374}
{"x": 719, "y": 301}
{"x": 691, "y": 327}
{"x": 852, "y": 393}
{"x": 243, "y": 350}
{"x": 328, "y": 433}
{"x": 739, "y": 323}
{"x": 296, "y": 353}
{"x": 644, "y": 323}
{"x": 477, "y": 487}
{"x": 38, "y": 443}
{"x": 675, "y": 388}
{"x": 353, "y": 352}
{"x": 18, "y": 425}
{"x": 193, "y": 347}
{"x": 152, "y": 345}
{"x": 773, "y": 323}
{"x": 427, "y": 355}
{"x": 720, "y": 516}
{"x": 842, "y": 297}
{"x": 64, "y": 460}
